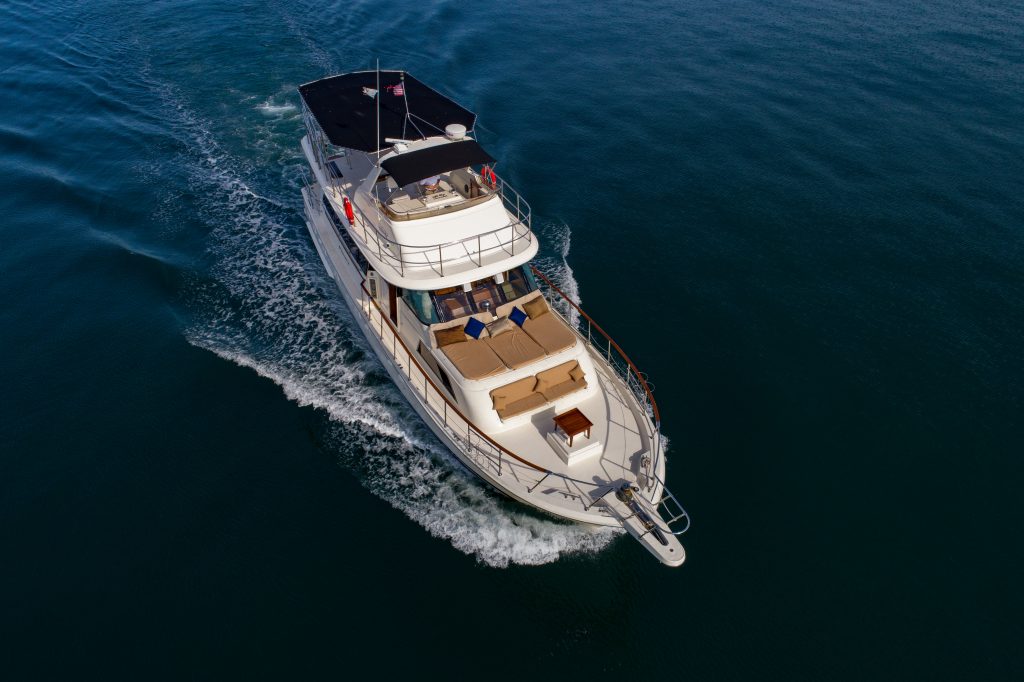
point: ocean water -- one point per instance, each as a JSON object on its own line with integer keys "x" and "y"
{"x": 803, "y": 219}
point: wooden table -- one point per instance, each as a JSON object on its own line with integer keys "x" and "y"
{"x": 573, "y": 423}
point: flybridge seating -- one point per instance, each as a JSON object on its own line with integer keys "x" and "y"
{"x": 453, "y": 191}
{"x": 435, "y": 179}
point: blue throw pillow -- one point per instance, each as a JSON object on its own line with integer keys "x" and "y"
{"x": 475, "y": 327}
{"x": 518, "y": 316}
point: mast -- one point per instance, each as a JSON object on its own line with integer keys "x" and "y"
{"x": 377, "y": 97}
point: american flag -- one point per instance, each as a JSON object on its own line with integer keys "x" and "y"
{"x": 397, "y": 89}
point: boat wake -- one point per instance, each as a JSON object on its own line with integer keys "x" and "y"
{"x": 265, "y": 304}
{"x": 556, "y": 267}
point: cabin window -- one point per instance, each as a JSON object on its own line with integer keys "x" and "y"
{"x": 518, "y": 282}
{"x": 485, "y": 295}
{"x": 421, "y": 304}
{"x": 451, "y": 303}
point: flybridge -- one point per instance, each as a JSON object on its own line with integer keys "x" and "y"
{"x": 346, "y": 108}
{"x": 415, "y": 189}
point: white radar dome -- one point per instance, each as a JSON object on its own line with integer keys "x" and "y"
{"x": 455, "y": 131}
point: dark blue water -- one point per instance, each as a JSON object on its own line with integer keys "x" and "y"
{"x": 803, "y": 219}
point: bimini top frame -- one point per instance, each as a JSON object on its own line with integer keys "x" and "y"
{"x": 346, "y": 109}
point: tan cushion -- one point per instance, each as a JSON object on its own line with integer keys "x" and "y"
{"x": 516, "y": 349}
{"x": 501, "y": 325}
{"x": 522, "y": 405}
{"x": 449, "y": 336}
{"x": 576, "y": 373}
{"x": 474, "y": 359}
{"x": 550, "y": 332}
{"x": 554, "y": 376}
{"x": 517, "y": 390}
{"x": 500, "y": 401}
{"x": 535, "y": 308}
{"x": 552, "y": 393}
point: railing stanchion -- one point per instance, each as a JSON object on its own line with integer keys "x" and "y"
{"x": 537, "y": 484}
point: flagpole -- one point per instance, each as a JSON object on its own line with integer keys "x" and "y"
{"x": 377, "y": 97}
{"x": 405, "y": 123}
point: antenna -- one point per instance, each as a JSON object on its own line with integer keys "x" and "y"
{"x": 405, "y": 121}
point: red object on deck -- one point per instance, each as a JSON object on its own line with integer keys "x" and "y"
{"x": 489, "y": 178}
{"x": 349, "y": 213}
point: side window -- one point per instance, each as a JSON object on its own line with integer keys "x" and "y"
{"x": 421, "y": 304}
{"x": 441, "y": 374}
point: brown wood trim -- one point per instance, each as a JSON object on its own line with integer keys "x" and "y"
{"x": 636, "y": 372}
{"x": 440, "y": 392}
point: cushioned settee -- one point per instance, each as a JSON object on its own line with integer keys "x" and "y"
{"x": 531, "y": 392}
{"x": 560, "y": 380}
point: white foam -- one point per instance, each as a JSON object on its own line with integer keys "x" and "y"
{"x": 268, "y": 108}
{"x": 557, "y": 268}
{"x": 269, "y": 307}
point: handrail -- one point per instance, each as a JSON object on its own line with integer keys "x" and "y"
{"x": 632, "y": 366}
{"x": 520, "y": 226}
{"x": 632, "y": 376}
{"x": 385, "y": 253}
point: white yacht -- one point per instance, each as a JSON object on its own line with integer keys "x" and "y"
{"x": 431, "y": 250}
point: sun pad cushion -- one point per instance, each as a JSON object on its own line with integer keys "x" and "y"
{"x": 516, "y": 348}
{"x": 474, "y": 359}
{"x": 550, "y": 332}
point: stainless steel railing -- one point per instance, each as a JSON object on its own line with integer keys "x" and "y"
{"x": 635, "y": 380}
{"x": 436, "y": 259}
